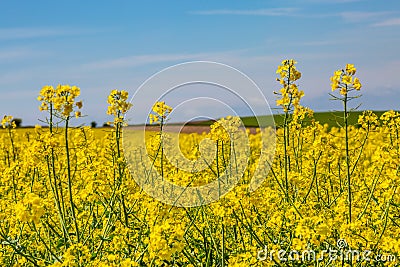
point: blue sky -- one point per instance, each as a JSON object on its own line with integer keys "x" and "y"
{"x": 102, "y": 45}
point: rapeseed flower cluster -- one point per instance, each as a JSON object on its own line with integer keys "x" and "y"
{"x": 290, "y": 93}
{"x": 160, "y": 112}
{"x": 7, "y": 122}
{"x": 69, "y": 199}
{"x": 344, "y": 80}
{"x": 61, "y": 99}
{"x": 118, "y": 105}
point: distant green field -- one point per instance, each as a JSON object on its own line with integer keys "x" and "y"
{"x": 330, "y": 118}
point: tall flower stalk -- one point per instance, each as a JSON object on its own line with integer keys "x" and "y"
{"x": 159, "y": 116}
{"x": 8, "y": 123}
{"x": 290, "y": 100}
{"x": 118, "y": 107}
{"x": 60, "y": 102}
{"x": 344, "y": 80}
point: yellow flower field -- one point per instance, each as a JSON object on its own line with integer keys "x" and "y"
{"x": 77, "y": 197}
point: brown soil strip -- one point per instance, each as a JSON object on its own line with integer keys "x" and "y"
{"x": 185, "y": 129}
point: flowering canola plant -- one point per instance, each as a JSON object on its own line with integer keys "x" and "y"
{"x": 68, "y": 199}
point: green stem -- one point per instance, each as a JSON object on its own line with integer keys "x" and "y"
{"x": 346, "y": 125}
{"x": 60, "y": 204}
{"x": 162, "y": 150}
{"x": 217, "y": 163}
{"x": 121, "y": 167}
{"x": 285, "y": 133}
{"x": 223, "y": 247}
{"x": 12, "y": 142}
{"x": 70, "y": 180}
{"x": 286, "y": 141}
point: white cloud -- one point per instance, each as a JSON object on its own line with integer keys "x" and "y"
{"x": 356, "y": 16}
{"x": 21, "y": 53}
{"x": 388, "y": 22}
{"x": 383, "y": 77}
{"x": 332, "y": 1}
{"x": 255, "y": 12}
{"x": 13, "y": 54}
{"x": 133, "y": 61}
{"x": 139, "y": 60}
{"x": 29, "y": 33}
{"x": 350, "y": 16}
{"x": 324, "y": 42}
